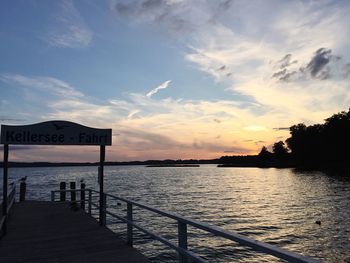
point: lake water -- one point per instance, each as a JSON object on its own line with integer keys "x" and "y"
{"x": 278, "y": 206}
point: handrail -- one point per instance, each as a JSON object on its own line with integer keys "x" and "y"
{"x": 254, "y": 244}
{"x": 188, "y": 253}
{"x": 10, "y": 201}
{"x": 182, "y": 221}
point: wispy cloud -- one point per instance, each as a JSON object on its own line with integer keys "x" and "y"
{"x": 172, "y": 128}
{"x": 68, "y": 29}
{"x": 323, "y": 65}
{"x": 164, "y": 85}
{"x": 8, "y": 119}
{"x": 243, "y": 50}
{"x": 179, "y": 17}
{"x": 46, "y": 84}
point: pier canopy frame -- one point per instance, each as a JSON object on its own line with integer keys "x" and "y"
{"x": 56, "y": 132}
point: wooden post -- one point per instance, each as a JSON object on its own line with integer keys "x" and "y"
{"x": 102, "y": 205}
{"x": 82, "y": 196}
{"x": 22, "y": 191}
{"x": 129, "y": 231}
{"x": 62, "y": 194}
{"x": 72, "y": 193}
{"x": 182, "y": 239}
{"x": 4, "y": 188}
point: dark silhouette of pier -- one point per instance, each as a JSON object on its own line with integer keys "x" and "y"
{"x": 40, "y": 231}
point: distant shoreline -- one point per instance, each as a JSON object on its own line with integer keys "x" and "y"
{"x": 173, "y": 165}
{"x": 151, "y": 163}
{"x": 184, "y": 163}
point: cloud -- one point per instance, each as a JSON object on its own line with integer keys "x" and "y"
{"x": 166, "y": 13}
{"x": 280, "y": 74}
{"x": 68, "y": 29}
{"x": 286, "y": 61}
{"x": 47, "y": 84}
{"x": 174, "y": 17}
{"x": 145, "y": 140}
{"x": 321, "y": 58}
{"x": 23, "y": 147}
{"x": 282, "y": 129}
{"x": 260, "y": 142}
{"x": 164, "y": 85}
{"x": 221, "y": 68}
{"x": 346, "y": 70}
{"x": 172, "y": 128}
{"x": 4, "y": 118}
{"x": 322, "y": 65}
{"x": 225, "y": 4}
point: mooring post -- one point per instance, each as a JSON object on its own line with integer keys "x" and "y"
{"x": 102, "y": 205}
{"x": 82, "y": 196}
{"x": 72, "y": 193}
{"x": 4, "y": 188}
{"x": 22, "y": 191}
{"x": 182, "y": 239}
{"x": 130, "y": 240}
{"x": 62, "y": 194}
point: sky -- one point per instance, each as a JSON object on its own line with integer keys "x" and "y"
{"x": 174, "y": 79}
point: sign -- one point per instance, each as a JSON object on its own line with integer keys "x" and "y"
{"x": 55, "y": 133}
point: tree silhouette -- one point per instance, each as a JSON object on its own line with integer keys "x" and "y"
{"x": 321, "y": 144}
{"x": 280, "y": 151}
{"x": 264, "y": 154}
{"x": 279, "y": 148}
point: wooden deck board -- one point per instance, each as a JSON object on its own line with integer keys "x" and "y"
{"x": 53, "y": 233}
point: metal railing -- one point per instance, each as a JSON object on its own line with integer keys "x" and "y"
{"x": 10, "y": 202}
{"x": 185, "y": 255}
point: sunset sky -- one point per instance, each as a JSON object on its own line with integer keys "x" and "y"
{"x": 174, "y": 79}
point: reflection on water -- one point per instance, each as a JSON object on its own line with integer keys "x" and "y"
{"x": 278, "y": 206}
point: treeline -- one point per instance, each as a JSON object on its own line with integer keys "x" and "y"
{"x": 322, "y": 144}
{"x": 315, "y": 146}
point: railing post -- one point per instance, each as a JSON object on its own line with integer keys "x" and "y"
{"x": 90, "y": 200}
{"x": 22, "y": 191}
{"x": 102, "y": 203}
{"x": 182, "y": 239}
{"x": 129, "y": 226}
{"x": 52, "y": 196}
{"x": 103, "y": 210}
{"x": 62, "y": 194}
{"x": 72, "y": 193}
{"x": 82, "y": 196}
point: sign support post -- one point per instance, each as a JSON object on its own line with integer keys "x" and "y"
{"x": 102, "y": 199}
{"x": 4, "y": 189}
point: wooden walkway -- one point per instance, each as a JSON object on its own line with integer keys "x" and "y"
{"x": 53, "y": 233}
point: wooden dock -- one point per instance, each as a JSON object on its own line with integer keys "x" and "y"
{"x": 52, "y": 232}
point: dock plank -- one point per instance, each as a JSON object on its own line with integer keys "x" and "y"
{"x": 53, "y": 233}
